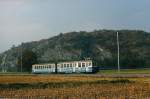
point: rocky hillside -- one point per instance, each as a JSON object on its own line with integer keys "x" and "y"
{"x": 99, "y": 45}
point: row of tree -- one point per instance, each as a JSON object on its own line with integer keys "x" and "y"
{"x": 25, "y": 62}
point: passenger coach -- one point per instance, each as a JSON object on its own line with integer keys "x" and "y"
{"x": 43, "y": 68}
{"x": 75, "y": 66}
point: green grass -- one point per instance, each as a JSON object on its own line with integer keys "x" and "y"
{"x": 14, "y": 73}
{"x": 122, "y": 71}
{"x": 126, "y": 71}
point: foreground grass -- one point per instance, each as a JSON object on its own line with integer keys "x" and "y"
{"x": 87, "y": 91}
{"x": 71, "y": 87}
{"x": 126, "y": 71}
{"x": 70, "y": 84}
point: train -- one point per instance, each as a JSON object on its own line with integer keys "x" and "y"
{"x": 82, "y": 66}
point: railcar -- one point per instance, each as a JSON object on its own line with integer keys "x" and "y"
{"x": 43, "y": 68}
{"x": 84, "y": 66}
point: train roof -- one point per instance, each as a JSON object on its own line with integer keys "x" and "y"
{"x": 44, "y": 64}
{"x": 76, "y": 61}
{"x": 63, "y": 62}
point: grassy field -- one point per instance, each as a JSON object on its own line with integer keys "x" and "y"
{"x": 126, "y": 71}
{"x": 73, "y": 87}
{"x": 122, "y": 71}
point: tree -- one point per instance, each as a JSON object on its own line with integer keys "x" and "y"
{"x": 132, "y": 59}
{"x": 28, "y": 59}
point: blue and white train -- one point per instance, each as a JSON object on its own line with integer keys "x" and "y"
{"x": 84, "y": 66}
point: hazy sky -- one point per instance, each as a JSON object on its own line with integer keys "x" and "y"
{"x": 29, "y": 20}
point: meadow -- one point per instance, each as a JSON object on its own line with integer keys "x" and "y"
{"x": 126, "y": 71}
{"x": 73, "y": 87}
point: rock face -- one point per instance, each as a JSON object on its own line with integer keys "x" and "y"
{"x": 98, "y": 45}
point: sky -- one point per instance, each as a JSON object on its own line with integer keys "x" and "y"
{"x": 32, "y": 20}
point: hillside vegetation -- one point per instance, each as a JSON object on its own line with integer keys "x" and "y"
{"x": 99, "y": 45}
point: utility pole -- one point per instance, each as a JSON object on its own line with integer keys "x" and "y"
{"x": 21, "y": 58}
{"x": 3, "y": 64}
{"x": 118, "y": 50}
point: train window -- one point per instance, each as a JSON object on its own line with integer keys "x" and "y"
{"x": 75, "y": 64}
{"x": 61, "y": 65}
{"x": 90, "y": 64}
{"x": 46, "y": 67}
{"x": 58, "y": 65}
{"x": 79, "y": 64}
{"x": 70, "y": 64}
{"x": 86, "y": 64}
{"x": 67, "y": 65}
{"x": 83, "y": 64}
{"x": 64, "y": 65}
